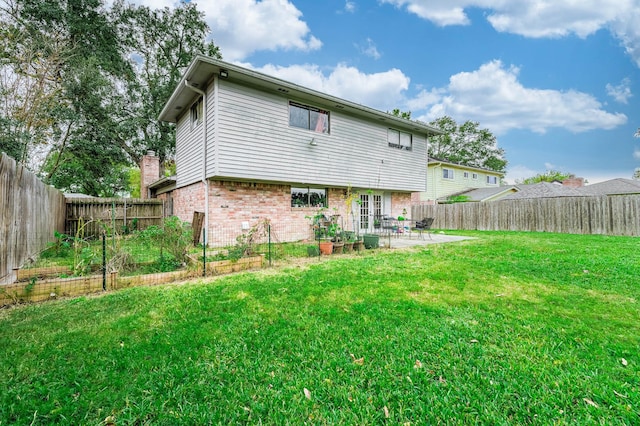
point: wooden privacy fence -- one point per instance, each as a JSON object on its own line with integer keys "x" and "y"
{"x": 89, "y": 217}
{"x": 30, "y": 212}
{"x": 607, "y": 215}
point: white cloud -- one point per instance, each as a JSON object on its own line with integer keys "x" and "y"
{"x": 370, "y": 50}
{"x": 636, "y": 153}
{"x": 382, "y": 90}
{"x": 549, "y": 166}
{"x": 241, "y": 27}
{"x": 541, "y": 18}
{"x": 622, "y": 92}
{"x": 493, "y": 96}
{"x": 349, "y": 6}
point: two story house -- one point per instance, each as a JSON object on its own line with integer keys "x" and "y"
{"x": 446, "y": 179}
{"x": 250, "y": 146}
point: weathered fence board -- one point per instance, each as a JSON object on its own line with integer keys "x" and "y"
{"x": 30, "y": 212}
{"x": 89, "y": 217}
{"x": 606, "y": 215}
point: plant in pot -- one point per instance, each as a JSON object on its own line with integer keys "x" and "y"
{"x": 335, "y": 233}
{"x": 349, "y": 240}
{"x": 320, "y": 224}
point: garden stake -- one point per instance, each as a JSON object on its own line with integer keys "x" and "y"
{"x": 104, "y": 261}
{"x": 204, "y": 252}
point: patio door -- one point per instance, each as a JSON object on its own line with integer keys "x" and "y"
{"x": 371, "y": 207}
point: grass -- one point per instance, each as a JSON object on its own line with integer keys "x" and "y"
{"x": 509, "y": 328}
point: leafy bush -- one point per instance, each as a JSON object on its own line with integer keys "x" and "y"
{"x": 173, "y": 236}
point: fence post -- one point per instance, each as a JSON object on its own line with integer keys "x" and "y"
{"x": 104, "y": 261}
{"x": 269, "y": 234}
{"x": 204, "y": 253}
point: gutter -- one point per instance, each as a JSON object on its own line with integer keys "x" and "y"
{"x": 205, "y": 182}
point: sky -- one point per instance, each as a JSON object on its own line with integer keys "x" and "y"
{"x": 556, "y": 81}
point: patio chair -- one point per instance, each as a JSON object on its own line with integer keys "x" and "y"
{"x": 423, "y": 225}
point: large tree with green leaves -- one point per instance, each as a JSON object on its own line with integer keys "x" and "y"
{"x": 466, "y": 144}
{"x": 81, "y": 86}
{"x": 160, "y": 44}
{"x": 548, "y": 176}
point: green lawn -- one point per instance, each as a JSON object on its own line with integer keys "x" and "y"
{"x": 509, "y": 328}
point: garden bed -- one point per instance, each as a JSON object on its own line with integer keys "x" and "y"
{"x": 38, "y": 284}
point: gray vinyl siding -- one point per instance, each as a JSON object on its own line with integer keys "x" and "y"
{"x": 255, "y": 142}
{"x": 188, "y": 151}
{"x": 189, "y": 144}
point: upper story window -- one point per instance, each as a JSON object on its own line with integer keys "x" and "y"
{"x": 308, "y": 197}
{"x": 309, "y": 118}
{"x": 398, "y": 139}
{"x": 493, "y": 180}
{"x": 196, "y": 113}
{"x": 447, "y": 173}
{"x": 466, "y": 175}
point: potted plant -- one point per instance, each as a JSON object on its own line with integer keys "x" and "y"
{"x": 349, "y": 240}
{"x": 358, "y": 244}
{"x": 335, "y": 233}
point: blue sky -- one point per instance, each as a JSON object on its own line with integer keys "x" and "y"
{"x": 556, "y": 81}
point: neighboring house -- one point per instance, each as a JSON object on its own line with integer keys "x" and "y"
{"x": 617, "y": 186}
{"x": 446, "y": 179}
{"x": 481, "y": 195}
{"x": 250, "y": 147}
{"x": 543, "y": 190}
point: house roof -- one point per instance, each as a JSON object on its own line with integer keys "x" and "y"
{"x": 463, "y": 166}
{"x": 484, "y": 194}
{"x": 617, "y": 186}
{"x": 543, "y": 190}
{"x": 202, "y": 69}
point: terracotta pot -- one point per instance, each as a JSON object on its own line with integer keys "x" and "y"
{"x": 326, "y": 247}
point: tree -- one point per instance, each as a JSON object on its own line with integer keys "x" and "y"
{"x": 636, "y": 174}
{"x": 81, "y": 86}
{"x": 401, "y": 114}
{"x": 160, "y": 44}
{"x": 466, "y": 144}
{"x": 548, "y": 176}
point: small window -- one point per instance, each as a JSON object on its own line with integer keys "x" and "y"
{"x": 466, "y": 175}
{"x": 196, "y": 113}
{"x": 474, "y": 176}
{"x": 492, "y": 180}
{"x": 447, "y": 173}
{"x": 398, "y": 139}
{"x": 308, "y": 197}
{"x": 309, "y": 118}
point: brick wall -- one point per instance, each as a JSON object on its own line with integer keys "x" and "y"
{"x": 236, "y": 206}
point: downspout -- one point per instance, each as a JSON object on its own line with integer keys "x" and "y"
{"x": 205, "y": 182}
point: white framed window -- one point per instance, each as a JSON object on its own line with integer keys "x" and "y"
{"x": 308, "y": 197}
{"x": 196, "y": 113}
{"x": 492, "y": 180}
{"x": 447, "y": 173}
{"x": 400, "y": 140}
{"x": 308, "y": 118}
{"x": 466, "y": 175}
{"x": 474, "y": 176}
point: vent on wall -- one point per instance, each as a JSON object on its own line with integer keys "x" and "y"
{"x": 280, "y": 89}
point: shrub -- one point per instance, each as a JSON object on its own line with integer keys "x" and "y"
{"x": 173, "y": 236}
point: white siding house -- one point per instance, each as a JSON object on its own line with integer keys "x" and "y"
{"x": 445, "y": 178}
{"x": 265, "y": 138}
